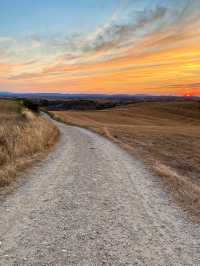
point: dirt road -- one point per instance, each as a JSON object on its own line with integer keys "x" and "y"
{"x": 90, "y": 203}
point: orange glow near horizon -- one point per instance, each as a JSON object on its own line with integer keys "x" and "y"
{"x": 190, "y": 93}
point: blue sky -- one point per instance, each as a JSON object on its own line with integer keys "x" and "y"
{"x": 18, "y": 17}
{"x": 21, "y": 17}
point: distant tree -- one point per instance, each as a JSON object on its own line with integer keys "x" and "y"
{"x": 31, "y": 105}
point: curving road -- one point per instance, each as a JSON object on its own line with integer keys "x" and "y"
{"x": 90, "y": 203}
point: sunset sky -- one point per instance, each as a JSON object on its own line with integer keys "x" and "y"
{"x": 100, "y": 46}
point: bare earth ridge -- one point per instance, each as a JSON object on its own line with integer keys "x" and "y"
{"x": 90, "y": 203}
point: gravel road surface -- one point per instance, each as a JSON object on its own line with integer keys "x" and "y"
{"x": 90, "y": 203}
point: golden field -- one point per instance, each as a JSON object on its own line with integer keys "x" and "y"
{"x": 166, "y": 136}
{"x": 23, "y": 136}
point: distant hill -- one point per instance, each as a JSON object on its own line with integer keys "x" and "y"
{"x": 62, "y": 101}
{"x": 90, "y": 96}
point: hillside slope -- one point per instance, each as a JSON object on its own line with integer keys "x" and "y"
{"x": 165, "y": 135}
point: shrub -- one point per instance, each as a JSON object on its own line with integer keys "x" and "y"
{"x": 31, "y": 105}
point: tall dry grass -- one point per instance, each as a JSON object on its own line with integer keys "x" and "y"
{"x": 23, "y": 136}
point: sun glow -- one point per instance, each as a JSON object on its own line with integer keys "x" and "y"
{"x": 190, "y": 93}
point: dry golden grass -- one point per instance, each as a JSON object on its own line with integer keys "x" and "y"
{"x": 23, "y": 136}
{"x": 165, "y": 135}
